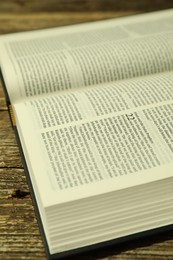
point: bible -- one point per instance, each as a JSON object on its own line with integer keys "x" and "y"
{"x": 92, "y": 108}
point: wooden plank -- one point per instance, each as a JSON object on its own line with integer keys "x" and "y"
{"x": 13, "y": 183}
{"x": 10, "y": 23}
{"x": 2, "y": 99}
{"x": 7, "y": 137}
{"x": 9, "y": 157}
{"x": 9, "y": 152}
{"x": 19, "y": 233}
{"x": 80, "y": 6}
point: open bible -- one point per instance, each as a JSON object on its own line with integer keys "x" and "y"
{"x": 92, "y": 108}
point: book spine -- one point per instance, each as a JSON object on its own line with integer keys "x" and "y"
{"x": 12, "y": 117}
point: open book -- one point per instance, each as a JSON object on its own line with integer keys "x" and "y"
{"x": 93, "y": 111}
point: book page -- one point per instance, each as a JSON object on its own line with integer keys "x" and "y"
{"x": 95, "y": 153}
{"x": 77, "y": 56}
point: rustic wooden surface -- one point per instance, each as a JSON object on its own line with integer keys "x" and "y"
{"x": 82, "y": 5}
{"x": 19, "y": 234}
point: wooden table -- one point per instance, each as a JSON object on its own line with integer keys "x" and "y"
{"x": 19, "y": 234}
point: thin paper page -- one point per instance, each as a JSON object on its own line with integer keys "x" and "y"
{"x": 99, "y": 154}
{"x": 89, "y": 159}
{"x": 68, "y": 107}
{"x": 84, "y": 55}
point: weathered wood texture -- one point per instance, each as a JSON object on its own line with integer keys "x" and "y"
{"x": 19, "y": 233}
{"x": 25, "y": 22}
{"x": 82, "y": 5}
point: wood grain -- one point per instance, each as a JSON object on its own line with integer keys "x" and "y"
{"x": 25, "y": 22}
{"x": 82, "y": 6}
{"x": 2, "y": 100}
{"x": 19, "y": 233}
